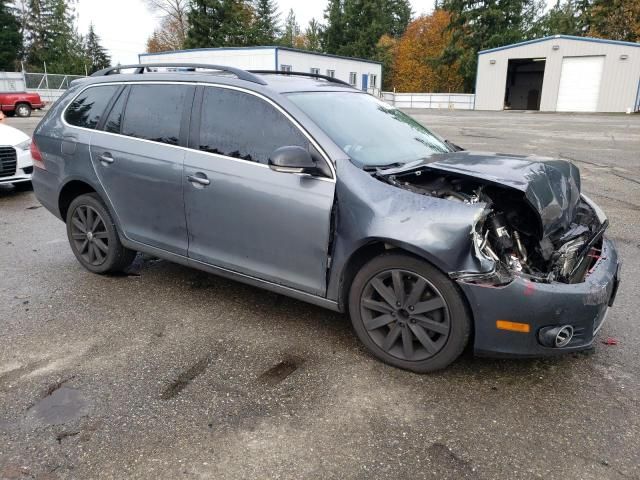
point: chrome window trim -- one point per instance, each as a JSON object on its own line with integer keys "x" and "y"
{"x": 216, "y": 155}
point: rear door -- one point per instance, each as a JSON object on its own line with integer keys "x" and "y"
{"x": 242, "y": 215}
{"x": 138, "y": 158}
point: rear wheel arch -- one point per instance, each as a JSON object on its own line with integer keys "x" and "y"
{"x": 69, "y": 193}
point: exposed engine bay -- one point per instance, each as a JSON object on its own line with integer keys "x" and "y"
{"x": 512, "y": 231}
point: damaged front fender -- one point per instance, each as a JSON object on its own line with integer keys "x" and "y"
{"x": 369, "y": 210}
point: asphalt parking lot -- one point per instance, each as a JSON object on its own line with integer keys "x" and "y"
{"x": 172, "y": 373}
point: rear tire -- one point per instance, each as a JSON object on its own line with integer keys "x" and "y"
{"x": 408, "y": 314}
{"x": 93, "y": 236}
{"x": 23, "y": 110}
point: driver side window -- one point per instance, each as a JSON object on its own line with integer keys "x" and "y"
{"x": 240, "y": 125}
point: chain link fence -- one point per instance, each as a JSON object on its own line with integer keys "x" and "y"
{"x": 48, "y": 81}
{"x": 49, "y": 86}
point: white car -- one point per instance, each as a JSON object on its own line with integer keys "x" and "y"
{"x": 16, "y": 165}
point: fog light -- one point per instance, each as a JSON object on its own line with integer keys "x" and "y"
{"x": 556, "y": 337}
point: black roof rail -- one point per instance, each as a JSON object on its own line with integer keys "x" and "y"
{"x": 303, "y": 74}
{"x": 145, "y": 67}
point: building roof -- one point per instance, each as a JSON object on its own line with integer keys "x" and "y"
{"x": 566, "y": 37}
{"x": 267, "y": 47}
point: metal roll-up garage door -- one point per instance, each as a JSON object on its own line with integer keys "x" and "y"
{"x": 580, "y": 84}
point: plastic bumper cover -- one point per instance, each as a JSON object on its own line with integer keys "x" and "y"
{"x": 581, "y": 305}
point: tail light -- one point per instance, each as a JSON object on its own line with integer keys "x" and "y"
{"x": 37, "y": 156}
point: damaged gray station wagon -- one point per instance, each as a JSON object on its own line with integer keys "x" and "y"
{"x": 305, "y": 186}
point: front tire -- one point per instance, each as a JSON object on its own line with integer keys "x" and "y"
{"x": 408, "y": 314}
{"x": 94, "y": 238}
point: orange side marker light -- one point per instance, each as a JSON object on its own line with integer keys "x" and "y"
{"x": 513, "y": 326}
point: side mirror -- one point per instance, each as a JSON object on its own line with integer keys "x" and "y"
{"x": 455, "y": 147}
{"x": 293, "y": 160}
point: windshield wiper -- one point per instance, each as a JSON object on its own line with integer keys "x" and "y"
{"x": 379, "y": 168}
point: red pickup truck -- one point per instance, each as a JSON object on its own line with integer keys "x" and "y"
{"x": 20, "y": 103}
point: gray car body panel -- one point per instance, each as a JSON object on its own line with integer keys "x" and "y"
{"x": 272, "y": 213}
{"x": 550, "y": 186}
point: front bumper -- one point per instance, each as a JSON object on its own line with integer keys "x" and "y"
{"x": 24, "y": 168}
{"x": 581, "y": 305}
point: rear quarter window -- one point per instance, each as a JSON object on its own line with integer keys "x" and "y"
{"x": 87, "y": 108}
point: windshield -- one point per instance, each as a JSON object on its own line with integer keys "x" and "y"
{"x": 370, "y": 131}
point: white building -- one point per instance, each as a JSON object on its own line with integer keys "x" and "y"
{"x": 560, "y": 74}
{"x": 363, "y": 74}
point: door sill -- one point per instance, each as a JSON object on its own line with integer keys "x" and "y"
{"x": 233, "y": 275}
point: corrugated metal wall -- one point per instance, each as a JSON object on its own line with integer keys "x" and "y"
{"x": 620, "y": 78}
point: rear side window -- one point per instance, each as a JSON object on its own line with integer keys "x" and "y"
{"x": 240, "y": 125}
{"x": 87, "y": 108}
{"x": 154, "y": 112}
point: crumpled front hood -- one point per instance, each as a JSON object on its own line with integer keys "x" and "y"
{"x": 551, "y": 187}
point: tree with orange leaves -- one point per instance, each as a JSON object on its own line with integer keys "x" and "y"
{"x": 416, "y": 66}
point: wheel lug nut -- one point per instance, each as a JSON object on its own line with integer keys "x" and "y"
{"x": 411, "y": 307}
{"x": 397, "y": 304}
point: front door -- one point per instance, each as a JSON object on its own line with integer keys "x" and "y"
{"x": 243, "y": 216}
{"x": 140, "y": 167}
{"x": 365, "y": 82}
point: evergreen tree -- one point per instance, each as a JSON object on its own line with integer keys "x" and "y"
{"x": 97, "y": 56}
{"x": 354, "y": 27}
{"x": 312, "y": 36}
{"x": 66, "y": 54}
{"x": 291, "y": 31}
{"x": 386, "y": 51}
{"x": 398, "y": 15}
{"x": 52, "y": 38}
{"x": 219, "y": 23}
{"x": 265, "y": 29}
{"x": 333, "y": 34}
{"x": 616, "y": 19}
{"x": 10, "y": 37}
{"x": 568, "y": 17}
{"x": 478, "y": 25}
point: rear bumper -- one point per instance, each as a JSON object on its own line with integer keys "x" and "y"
{"x": 45, "y": 188}
{"x": 583, "y": 306}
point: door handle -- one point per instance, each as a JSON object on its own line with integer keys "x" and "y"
{"x": 106, "y": 158}
{"x": 199, "y": 180}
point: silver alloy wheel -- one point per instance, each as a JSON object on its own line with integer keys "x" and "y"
{"x": 23, "y": 110}
{"x": 405, "y": 315}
